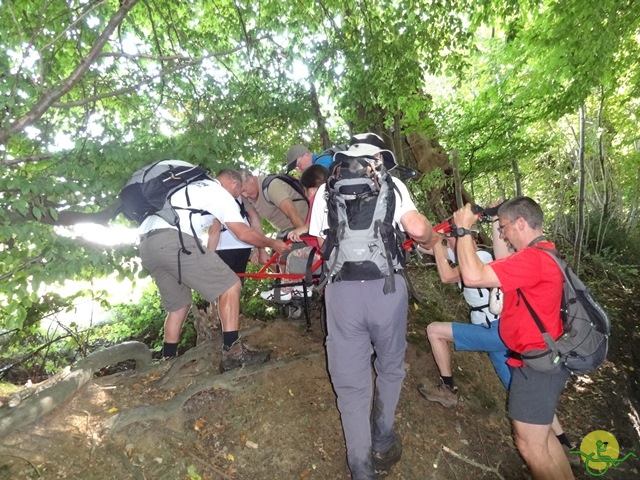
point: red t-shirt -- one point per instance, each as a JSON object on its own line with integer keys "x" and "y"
{"x": 537, "y": 275}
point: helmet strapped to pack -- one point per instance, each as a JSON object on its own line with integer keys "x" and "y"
{"x": 362, "y": 242}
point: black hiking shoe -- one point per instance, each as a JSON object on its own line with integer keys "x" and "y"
{"x": 383, "y": 461}
{"x": 241, "y": 355}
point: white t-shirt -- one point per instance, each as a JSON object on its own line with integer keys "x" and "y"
{"x": 477, "y": 297}
{"x": 319, "y": 222}
{"x": 228, "y": 241}
{"x": 207, "y": 195}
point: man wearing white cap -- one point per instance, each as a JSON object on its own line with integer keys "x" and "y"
{"x": 364, "y": 313}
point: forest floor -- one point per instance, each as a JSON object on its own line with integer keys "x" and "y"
{"x": 280, "y": 421}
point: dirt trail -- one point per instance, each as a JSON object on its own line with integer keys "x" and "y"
{"x": 281, "y": 422}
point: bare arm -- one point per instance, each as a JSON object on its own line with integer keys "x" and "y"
{"x": 473, "y": 272}
{"x": 418, "y": 227}
{"x": 448, "y": 274}
{"x": 290, "y": 211}
{"x": 254, "y": 218}
{"x": 500, "y": 247}
{"x": 248, "y": 235}
{"x": 214, "y": 235}
{"x": 260, "y": 255}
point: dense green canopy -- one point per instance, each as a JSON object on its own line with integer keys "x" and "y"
{"x": 92, "y": 90}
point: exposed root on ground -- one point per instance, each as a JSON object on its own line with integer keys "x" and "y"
{"x": 171, "y": 407}
{"x": 42, "y": 401}
{"x": 482, "y": 467}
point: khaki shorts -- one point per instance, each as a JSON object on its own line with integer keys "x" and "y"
{"x": 205, "y": 273}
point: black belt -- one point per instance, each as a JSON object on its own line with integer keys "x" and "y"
{"x": 150, "y": 234}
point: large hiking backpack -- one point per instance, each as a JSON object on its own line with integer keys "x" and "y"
{"x": 584, "y": 343}
{"x": 362, "y": 242}
{"x": 149, "y": 190}
{"x": 289, "y": 180}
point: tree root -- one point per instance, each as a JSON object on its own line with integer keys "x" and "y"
{"x": 169, "y": 408}
{"x": 200, "y": 352}
{"x": 131, "y": 469}
{"x": 43, "y": 401}
{"x": 25, "y": 459}
{"x": 482, "y": 467}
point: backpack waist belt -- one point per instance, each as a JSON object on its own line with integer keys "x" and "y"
{"x": 337, "y": 278}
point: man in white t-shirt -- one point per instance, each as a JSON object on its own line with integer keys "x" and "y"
{"x": 179, "y": 265}
{"x": 231, "y": 250}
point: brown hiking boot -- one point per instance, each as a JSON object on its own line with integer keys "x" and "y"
{"x": 441, "y": 393}
{"x": 241, "y": 355}
{"x": 383, "y": 461}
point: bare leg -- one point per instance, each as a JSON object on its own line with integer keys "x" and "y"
{"x": 541, "y": 450}
{"x": 440, "y": 334}
{"x": 229, "y": 308}
{"x": 556, "y": 428}
{"x": 173, "y": 324}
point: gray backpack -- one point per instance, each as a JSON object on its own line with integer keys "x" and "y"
{"x": 583, "y": 345}
{"x": 362, "y": 242}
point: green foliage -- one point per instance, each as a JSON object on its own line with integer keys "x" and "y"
{"x": 251, "y": 304}
{"x": 225, "y": 84}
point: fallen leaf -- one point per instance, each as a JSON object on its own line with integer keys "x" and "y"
{"x": 251, "y": 444}
{"x": 113, "y": 410}
{"x": 201, "y": 422}
{"x": 304, "y": 474}
{"x": 231, "y": 458}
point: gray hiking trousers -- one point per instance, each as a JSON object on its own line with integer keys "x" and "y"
{"x": 359, "y": 315}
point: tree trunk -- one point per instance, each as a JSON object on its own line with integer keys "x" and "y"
{"x": 604, "y": 218}
{"x": 457, "y": 181}
{"x": 581, "y": 171}
{"x": 320, "y": 120}
{"x": 517, "y": 177}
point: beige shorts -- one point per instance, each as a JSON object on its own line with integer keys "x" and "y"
{"x": 205, "y": 273}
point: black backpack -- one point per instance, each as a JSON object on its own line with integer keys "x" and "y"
{"x": 289, "y": 180}
{"x": 362, "y": 243}
{"x": 149, "y": 190}
{"x": 583, "y": 345}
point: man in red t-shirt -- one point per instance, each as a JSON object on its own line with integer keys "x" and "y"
{"x": 533, "y": 396}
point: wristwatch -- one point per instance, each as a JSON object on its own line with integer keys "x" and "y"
{"x": 461, "y": 232}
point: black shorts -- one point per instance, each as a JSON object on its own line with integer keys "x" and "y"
{"x": 236, "y": 258}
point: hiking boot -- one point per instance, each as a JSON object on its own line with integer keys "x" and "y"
{"x": 241, "y": 355}
{"x": 441, "y": 393}
{"x": 383, "y": 461}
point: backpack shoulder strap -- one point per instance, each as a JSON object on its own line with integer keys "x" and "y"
{"x": 289, "y": 180}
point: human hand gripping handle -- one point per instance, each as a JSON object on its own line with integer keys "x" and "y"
{"x": 465, "y": 217}
{"x": 280, "y": 247}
